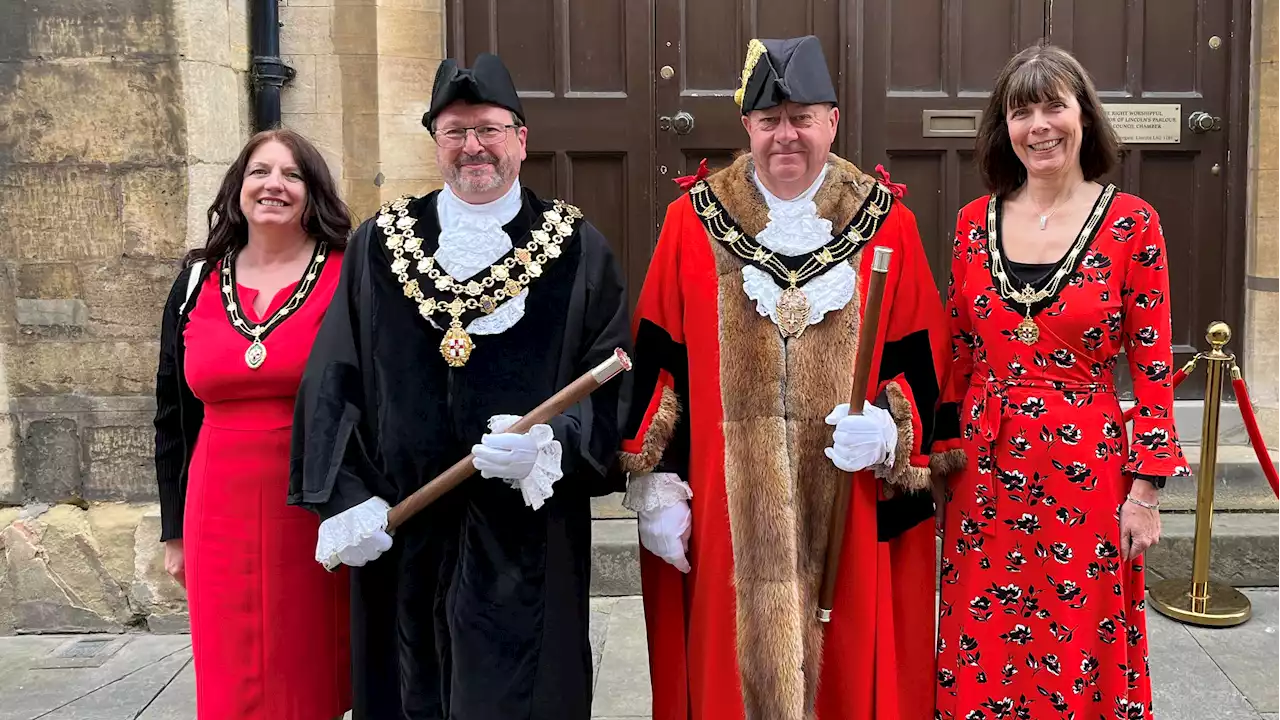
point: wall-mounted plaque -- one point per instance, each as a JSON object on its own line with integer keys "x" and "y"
{"x": 1142, "y": 123}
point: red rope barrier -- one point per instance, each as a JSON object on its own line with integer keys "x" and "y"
{"x": 1251, "y": 425}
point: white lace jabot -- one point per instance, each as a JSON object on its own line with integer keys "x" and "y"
{"x": 472, "y": 239}
{"x": 795, "y": 228}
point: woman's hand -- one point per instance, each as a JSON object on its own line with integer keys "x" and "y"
{"x": 1139, "y": 526}
{"x": 175, "y": 562}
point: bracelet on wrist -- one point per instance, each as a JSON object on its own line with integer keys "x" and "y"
{"x": 1143, "y": 503}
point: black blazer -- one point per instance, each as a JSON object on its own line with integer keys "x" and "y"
{"x": 178, "y": 413}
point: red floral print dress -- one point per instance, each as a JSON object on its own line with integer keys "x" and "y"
{"x": 1040, "y": 617}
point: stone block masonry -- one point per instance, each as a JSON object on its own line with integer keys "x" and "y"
{"x": 117, "y": 122}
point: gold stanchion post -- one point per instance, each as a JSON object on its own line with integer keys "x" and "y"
{"x": 1198, "y": 601}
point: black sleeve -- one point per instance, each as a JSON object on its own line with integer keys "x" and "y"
{"x": 590, "y": 431}
{"x": 171, "y": 446}
{"x": 328, "y": 456}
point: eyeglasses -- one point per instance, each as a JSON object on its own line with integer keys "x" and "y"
{"x": 486, "y": 134}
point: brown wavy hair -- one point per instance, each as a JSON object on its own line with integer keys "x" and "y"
{"x": 1038, "y": 74}
{"x": 325, "y": 217}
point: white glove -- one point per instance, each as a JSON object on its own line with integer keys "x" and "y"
{"x": 661, "y": 502}
{"x": 505, "y": 455}
{"x": 862, "y": 441}
{"x": 355, "y": 536}
{"x": 665, "y": 533}
{"x": 528, "y": 461}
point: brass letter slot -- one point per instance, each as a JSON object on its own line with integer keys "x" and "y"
{"x": 950, "y": 123}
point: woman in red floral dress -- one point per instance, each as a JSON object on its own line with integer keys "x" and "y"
{"x": 1053, "y": 275}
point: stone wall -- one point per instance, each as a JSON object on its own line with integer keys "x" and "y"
{"x": 1262, "y": 299}
{"x": 364, "y": 74}
{"x": 114, "y": 134}
{"x": 117, "y": 123}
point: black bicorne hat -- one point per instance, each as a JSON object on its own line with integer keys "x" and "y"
{"x": 779, "y": 70}
{"x": 485, "y": 82}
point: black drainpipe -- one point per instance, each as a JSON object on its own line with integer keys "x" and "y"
{"x": 269, "y": 72}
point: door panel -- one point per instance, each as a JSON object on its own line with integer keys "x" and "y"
{"x": 1159, "y": 53}
{"x": 583, "y": 70}
{"x": 927, "y": 69}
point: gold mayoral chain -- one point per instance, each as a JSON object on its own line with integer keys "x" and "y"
{"x": 1028, "y": 331}
{"x": 558, "y": 223}
{"x": 793, "y": 304}
{"x": 256, "y": 333}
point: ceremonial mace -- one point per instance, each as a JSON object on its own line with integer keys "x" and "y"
{"x": 571, "y": 394}
{"x": 861, "y": 374}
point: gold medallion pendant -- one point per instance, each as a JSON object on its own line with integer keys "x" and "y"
{"x": 793, "y": 312}
{"x": 456, "y": 346}
{"x": 1027, "y": 331}
{"x": 255, "y": 355}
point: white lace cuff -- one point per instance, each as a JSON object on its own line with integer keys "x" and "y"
{"x": 654, "y": 491}
{"x": 536, "y": 486}
{"x": 349, "y": 528}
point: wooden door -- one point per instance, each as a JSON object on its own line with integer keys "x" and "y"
{"x": 703, "y": 44}
{"x": 583, "y": 69}
{"x": 598, "y": 77}
{"x": 1160, "y": 52}
{"x": 928, "y": 67}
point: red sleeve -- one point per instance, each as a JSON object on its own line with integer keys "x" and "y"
{"x": 914, "y": 352}
{"x": 661, "y": 368}
{"x": 1155, "y": 449}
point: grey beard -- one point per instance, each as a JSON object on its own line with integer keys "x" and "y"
{"x": 479, "y": 185}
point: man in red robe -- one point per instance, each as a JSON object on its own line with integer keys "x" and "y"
{"x": 746, "y": 334}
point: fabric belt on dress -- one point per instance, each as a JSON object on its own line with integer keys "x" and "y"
{"x": 992, "y": 407}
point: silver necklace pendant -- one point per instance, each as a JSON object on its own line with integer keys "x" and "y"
{"x": 1044, "y": 220}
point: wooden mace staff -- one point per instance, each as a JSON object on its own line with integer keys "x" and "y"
{"x": 588, "y": 383}
{"x": 861, "y": 375}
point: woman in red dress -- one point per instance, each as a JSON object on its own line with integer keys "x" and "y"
{"x": 1053, "y": 275}
{"x": 268, "y": 624}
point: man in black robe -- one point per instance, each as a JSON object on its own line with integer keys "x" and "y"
{"x": 456, "y": 312}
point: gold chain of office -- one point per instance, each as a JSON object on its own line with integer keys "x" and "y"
{"x": 793, "y": 304}
{"x": 1027, "y": 331}
{"x": 510, "y": 276}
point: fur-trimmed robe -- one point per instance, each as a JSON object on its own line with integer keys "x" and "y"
{"x": 725, "y": 402}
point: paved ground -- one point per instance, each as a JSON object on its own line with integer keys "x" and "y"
{"x": 1200, "y": 674}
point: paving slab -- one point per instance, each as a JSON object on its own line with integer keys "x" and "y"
{"x": 1186, "y": 683}
{"x": 177, "y": 701}
{"x": 127, "y": 697}
{"x": 622, "y": 690}
{"x": 1249, "y": 654}
{"x": 600, "y": 610}
{"x": 31, "y": 693}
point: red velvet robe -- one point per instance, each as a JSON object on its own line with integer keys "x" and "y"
{"x": 722, "y": 400}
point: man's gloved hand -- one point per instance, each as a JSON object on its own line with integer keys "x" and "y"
{"x": 665, "y": 533}
{"x": 506, "y": 455}
{"x": 862, "y": 441}
{"x": 355, "y": 536}
{"x": 530, "y": 462}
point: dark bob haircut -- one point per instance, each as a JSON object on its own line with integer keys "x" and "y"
{"x": 325, "y": 216}
{"x": 1039, "y": 74}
